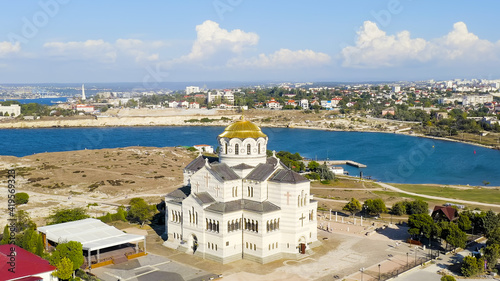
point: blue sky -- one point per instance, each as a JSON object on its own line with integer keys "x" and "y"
{"x": 247, "y": 40}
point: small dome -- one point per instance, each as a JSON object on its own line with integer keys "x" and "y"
{"x": 242, "y": 129}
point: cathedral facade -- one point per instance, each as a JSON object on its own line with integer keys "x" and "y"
{"x": 241, "y": 205}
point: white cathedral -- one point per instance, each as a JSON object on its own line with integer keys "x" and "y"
{"x": 241, "y": 205}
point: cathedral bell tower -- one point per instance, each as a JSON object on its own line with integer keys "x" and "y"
{"x": 242, "y": 143}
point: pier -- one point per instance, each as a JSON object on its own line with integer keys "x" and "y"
{"x": 337, "y": 162}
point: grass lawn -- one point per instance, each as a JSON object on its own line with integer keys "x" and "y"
{"x": 484, "y": 195}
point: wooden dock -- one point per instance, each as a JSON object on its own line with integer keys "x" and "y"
{"x": 338, "y": 162}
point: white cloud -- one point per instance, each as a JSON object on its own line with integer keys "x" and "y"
{"x": 462, "y": 44}
{"x": 212, "y": 39}
{"x": 106, "y": 52}
{"x": 283, "y": 58}
{"x": 90, "y": 49}
{"x": 374, "y": 48}
{"x": 7, "y": 48}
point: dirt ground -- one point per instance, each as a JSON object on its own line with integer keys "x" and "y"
{"x": 109, "y": 177}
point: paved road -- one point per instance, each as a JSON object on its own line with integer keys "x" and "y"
{"x": 430, "y": 273}
{"x": 385, "y": 185}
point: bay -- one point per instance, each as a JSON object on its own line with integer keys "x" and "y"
{"x": 389, "y": 157}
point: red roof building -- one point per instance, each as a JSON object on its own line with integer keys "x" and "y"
{"x": 18, "y": 264}
{"x": 447, "y": 213}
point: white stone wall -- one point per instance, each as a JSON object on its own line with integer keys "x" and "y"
{"x": 233, "y": 158}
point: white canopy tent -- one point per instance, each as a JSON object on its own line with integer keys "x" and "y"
{"x": 92, "y": 233}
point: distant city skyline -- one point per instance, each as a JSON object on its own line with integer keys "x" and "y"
{"x": 63, "y": 41}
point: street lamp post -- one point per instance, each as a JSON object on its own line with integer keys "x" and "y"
{"x": 379, "y": 272}
{"x": 416, "y": 249}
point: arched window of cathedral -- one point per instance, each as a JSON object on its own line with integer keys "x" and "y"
{"x": 225, "y": 148}
{"x": 251, "y": 189}
{"x": 196, "y": 218}
{"x": 258, "y": 147}
{"x": 235, "y": 191}
{"x": 217, "y": 229}
{"x": 257, "y": 226}
{"x": 267, "y": 226}
{"x": 190, "y": 221}
{"x": 236, "y": 149}
{"x": 206, "y": 227}
{"x": 278, "y": 224}
{"x": 298, "y": 201}
{"x": 248, "y": 149}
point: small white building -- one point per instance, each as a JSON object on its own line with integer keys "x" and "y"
{"x": 304, "y": 103}
{"x": 12, "y": 110}
{"x": 192, "y": 90}
{"x": 204, "y": 148}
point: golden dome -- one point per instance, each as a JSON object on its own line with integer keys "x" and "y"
{"x": 242, "y": 129}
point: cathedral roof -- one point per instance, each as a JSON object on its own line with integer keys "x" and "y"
{"x": 179, "y": 194}
{"x": 242, "y": 166}
{"x": 224, "y": 172}
{"x": 288, "y": 176}
{"x": 205, "y": 197}
{"x": 199, "y": 162}
{"x": 261, "y": 172}
{"x": 243, "y": 204}
{"x": 242, "y": 129}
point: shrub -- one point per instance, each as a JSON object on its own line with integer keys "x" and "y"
{"x": 21, "y": 198}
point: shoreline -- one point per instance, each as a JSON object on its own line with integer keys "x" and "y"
{"x": 179, "y": 120}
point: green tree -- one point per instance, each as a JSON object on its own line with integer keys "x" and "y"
{"x": 30, "y": 240}
{"x": 21, "y": 198}
{"x": 490, "y": 221}
{"x": 421, "y": 224}
{"x": 417, "y": 206}
{"x": 398, "y": 208}
{"x": 325, "y": 173}
{"x": 471, "y": 266}
{"x": 493, "y": 237}
{"x": 464, "y": 223}
{"x": 71, "y": 250}
{"x": 40, "y": 247}
{"x": 352, "y": 206}
{"x": 6, "y": 235}
{"x": 139, "y": 211}
{"x": 375, "y": 206}
{"x": 492, "y": 254}
{"x": 452, "y": 234}
{"x": 313, "y": 165}
{"x": 448, "y": 278}
{"x": 64, "y": 269}
{"x": 23, "y": 221}
{"x": 66, "y": 215}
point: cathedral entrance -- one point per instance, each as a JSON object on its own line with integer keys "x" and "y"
{"x": 302, "y": 245}
{"x": 193, "y": 242}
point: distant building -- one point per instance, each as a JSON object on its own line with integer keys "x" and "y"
{"x": 192, "y": 90}
{"x": 204, "y": 148}
{"x": 12, "y": 110}
{"x": 273, "y": 104}
{"x": 173, "y": 104}
{"x": 84, "y": 108}
{"x": 476, "y": 99}
{"x": 389, "y": 110}
{"x": 28, "y": 266}
{"x": 304, "y": 103}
